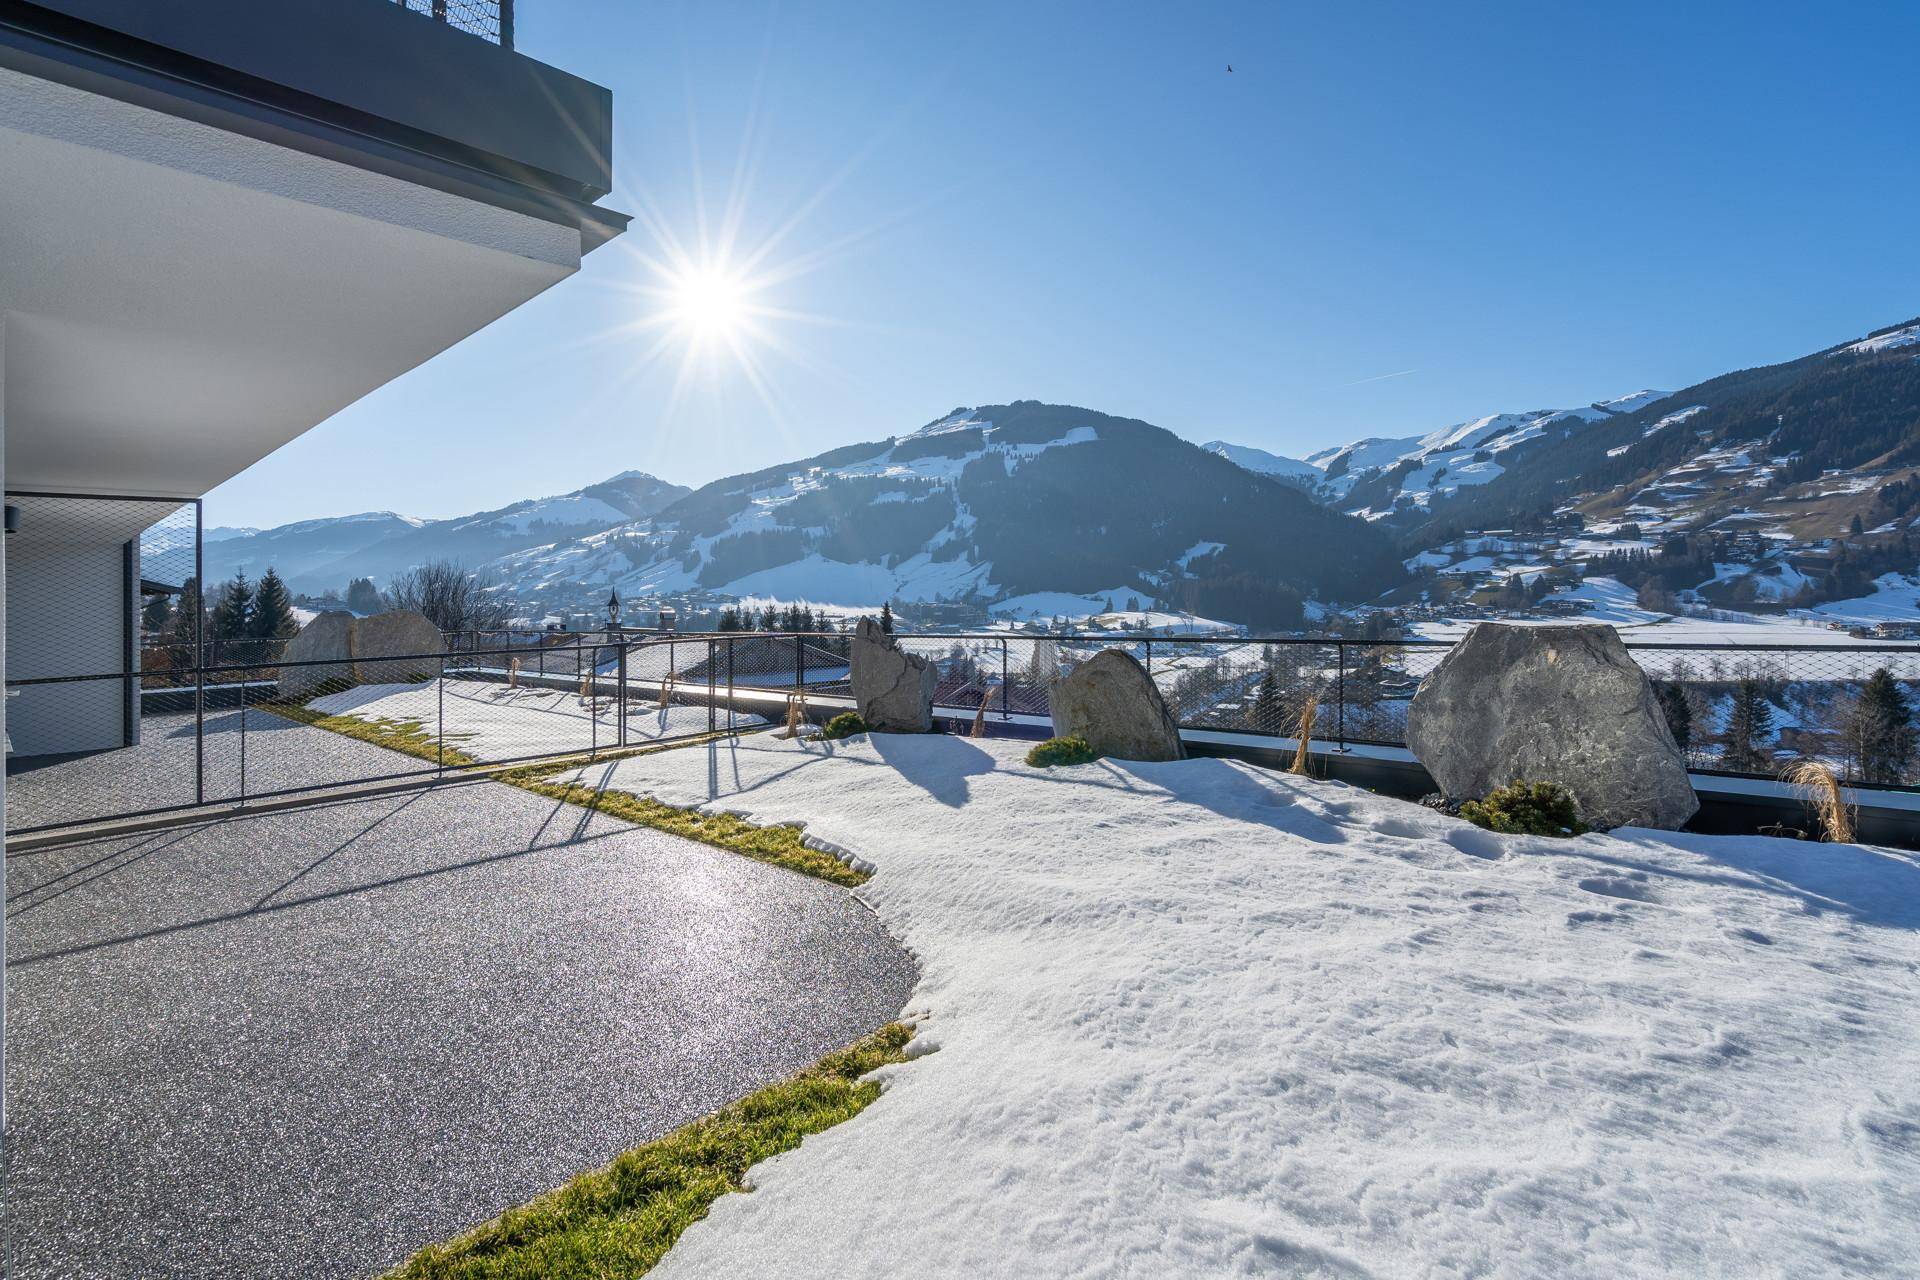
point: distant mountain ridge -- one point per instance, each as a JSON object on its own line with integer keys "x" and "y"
{"x": 988, "y": 505}
{"x": 1026, "y": 505}
{"x": 324, "y": 554}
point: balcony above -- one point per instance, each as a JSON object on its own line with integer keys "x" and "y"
{"x": 430, "y": 91}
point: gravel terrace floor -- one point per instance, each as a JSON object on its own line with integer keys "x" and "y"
{"x": 271, "y": 753}
{"x": 306, "y": 1043}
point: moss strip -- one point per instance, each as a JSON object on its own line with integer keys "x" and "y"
{"x": 779, "y": 846}
{"x": 621, "y": 1219}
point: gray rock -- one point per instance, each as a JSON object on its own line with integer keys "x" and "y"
{"x": 386, "y": 648}
{"x": 327, "y": 638}
{"x": 892, "y": 689}
{"x": 1110, "y": 701}
{"x": 1551, "y": 704}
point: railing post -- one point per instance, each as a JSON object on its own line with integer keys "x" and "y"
{"x": 440, "y": 738}
{"x": 729, "y": 684}
{"x": 243, "y": 739}
{"x": 1004, "y": 714}
{"x": 199, "y": 655}
{"x": 620, "y": 698}
{"x": 1340, "y": 650}
{"x": 506, "y": 24}
{"x": 712, "y": 719}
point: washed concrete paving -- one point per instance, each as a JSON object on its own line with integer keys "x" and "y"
{"x": 246, "y": 754}
{"x": 306, "y": 1043}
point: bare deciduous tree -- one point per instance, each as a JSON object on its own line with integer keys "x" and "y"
{"x": 451, "y": 598}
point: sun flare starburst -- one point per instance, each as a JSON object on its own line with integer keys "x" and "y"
{"x": 708, "y": 303}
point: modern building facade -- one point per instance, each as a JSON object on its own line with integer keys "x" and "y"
{"x": 221, "y": 222}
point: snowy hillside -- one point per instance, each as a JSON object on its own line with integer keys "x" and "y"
{"x": 986, "y": 505}
{"x": 317, "y": 555}
{"x": 1266, "y": 464}
{"x": 1202, "y": 1019}
{"x": 1372, "y": 476}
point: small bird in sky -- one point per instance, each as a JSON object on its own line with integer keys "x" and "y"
{"x": 1229, "y": 68}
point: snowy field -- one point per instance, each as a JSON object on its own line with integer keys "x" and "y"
{"x": 1611, "y": 601}
{"x": 1199, "y": 1019}
{"x": 487, "y": 721}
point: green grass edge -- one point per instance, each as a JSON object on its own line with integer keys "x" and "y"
{"x": 780, "y": 845}
{"x": 619, "y": 1220}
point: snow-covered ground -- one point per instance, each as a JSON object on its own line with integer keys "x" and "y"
{"x": 1199, "y": 1019}
{"x": 1895, "y": 598}
{"x": 488, "y": 721}
{"x": 1611, "y": 601}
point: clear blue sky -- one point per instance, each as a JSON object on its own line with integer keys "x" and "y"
{"x": 1524, "y": 205}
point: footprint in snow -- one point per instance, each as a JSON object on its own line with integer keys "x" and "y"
{"x": 1631, "y": 890}
{"x": 1476, "y": 843}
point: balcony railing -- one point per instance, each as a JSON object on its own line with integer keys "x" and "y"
{"x": 244, "y": 724}
{"x": 489, "y": 19}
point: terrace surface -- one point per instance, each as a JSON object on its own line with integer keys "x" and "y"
{"x": 309, "y": 1042}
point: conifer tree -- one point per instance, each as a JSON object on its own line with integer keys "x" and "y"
{"x": 272, "y": 617}
{"x": 1879, "y": 731}
{"x": 886, "y": 617}
{"x": 232, "y": 609}
{"x": 156, "y": 613}
{"x": 1677, "y": 711}
{"x": 1749, "y": 726}
{"x": 1267, "y": 709}
{"x": 183, "y": 628}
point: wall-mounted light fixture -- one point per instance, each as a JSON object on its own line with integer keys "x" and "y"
{"x": 13, "y": 518}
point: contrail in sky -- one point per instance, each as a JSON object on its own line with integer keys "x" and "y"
{"x": 1380, "y": 378}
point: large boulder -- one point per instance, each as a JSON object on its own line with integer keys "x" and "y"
{"x": 892, "y": 689}
{"x": 327, "y": 638}
{"x": 390, "y": 648}
{"x": 1111, "y": 702}
{"x": 1552, "y": 704}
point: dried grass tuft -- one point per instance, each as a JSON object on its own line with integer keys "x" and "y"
{"x": 1819, "y": 786}
{"x": 1302, "y": 756}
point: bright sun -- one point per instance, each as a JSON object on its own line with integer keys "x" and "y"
{"x": 709, "y": 303}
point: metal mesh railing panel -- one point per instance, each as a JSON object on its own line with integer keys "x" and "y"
{"x": 491, "y": 20}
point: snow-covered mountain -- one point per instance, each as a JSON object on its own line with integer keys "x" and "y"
{"x": 985, "y": 505}
{"x": 1263, "y": 463}
{"x": 315, "y": 555}
{"x": 1370, "y": 477}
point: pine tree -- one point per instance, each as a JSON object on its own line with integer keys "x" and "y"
{"x": 1749, "y": 726}
{"x": 1267, "y": 708}
{"x": 272, "y": 609}
{"x": 1858, "y": 528}
{"x": 886, "y": 617}
{"x": 183, "y": 630}
{"x": 1678, "y": 712}
{"x": 729, "y": 619}
{"x": 1879, "y": 731}
{"x": 232, "y": 610}
{"x": 156, "y": 613}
